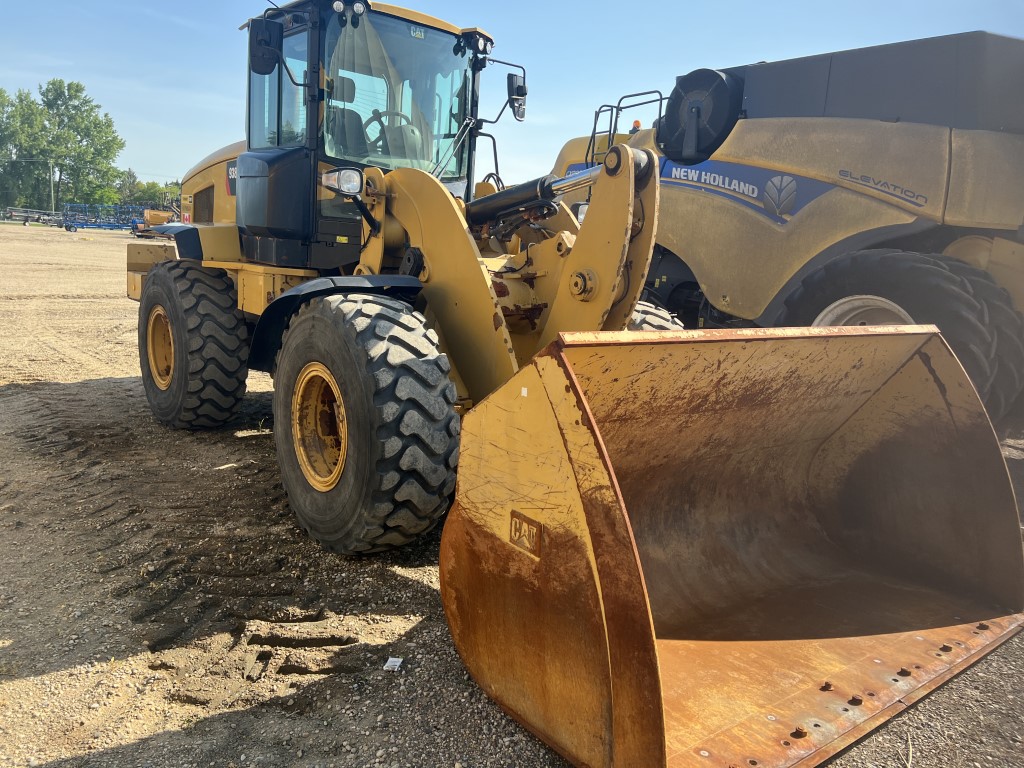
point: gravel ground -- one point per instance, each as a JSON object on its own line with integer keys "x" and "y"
{"x": 158, "y": 607}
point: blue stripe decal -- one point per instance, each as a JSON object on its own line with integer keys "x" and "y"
{"x": 728, "y": 196}
{"x": 776, "y": 195}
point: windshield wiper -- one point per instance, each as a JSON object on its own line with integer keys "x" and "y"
{"x": 447, "y": 158}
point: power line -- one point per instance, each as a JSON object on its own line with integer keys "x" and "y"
{"x": 155, "y": 175}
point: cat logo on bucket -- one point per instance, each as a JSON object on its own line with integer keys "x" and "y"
{"x": 525, "y": 533}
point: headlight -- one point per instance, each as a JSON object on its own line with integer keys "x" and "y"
{"x": 358, "y": 8}
{"x": 488, "y": 47}
{"x": 481, "y": 44}
{"x": 343, "y": 181}
{"x": 339, "y": 7}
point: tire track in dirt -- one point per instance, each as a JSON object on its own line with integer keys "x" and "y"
{"x": 115, "y": 531}
{"x": 190, "y": 531}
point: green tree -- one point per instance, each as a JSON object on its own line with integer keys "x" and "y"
{"x": 127, "y": 186}
{"x": 132, "y": 191}
{"x": 82, "y": 141}
{"x": 8, "y": 193}
{"x": 150, "y": 193}
{"x": 172, "y": 193}
{"x": 66, "y": 129}
{"x": 24, "y": 172}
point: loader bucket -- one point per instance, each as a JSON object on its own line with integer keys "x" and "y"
{"x": 728, "y": 548}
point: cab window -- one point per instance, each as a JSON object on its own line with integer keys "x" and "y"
{"x": 277, "y": 107}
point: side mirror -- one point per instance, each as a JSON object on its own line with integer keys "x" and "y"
{"x": 517, "y": 95}
{"x": 266, "y": 41}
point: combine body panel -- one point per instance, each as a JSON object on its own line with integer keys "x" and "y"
{"x": 721, "y": 547}
{"x": 789, "y": 205}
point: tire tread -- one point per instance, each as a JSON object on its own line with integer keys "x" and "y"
{"x": 217, "y": 345}
{"x": 650, "y": 317}
{"x": 924, "y": 285}
{"x": 417, "y": 426}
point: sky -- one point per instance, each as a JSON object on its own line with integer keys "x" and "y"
{"x": 173, "y": 75}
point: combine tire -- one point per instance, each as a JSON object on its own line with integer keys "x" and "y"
{"x": 1006, "y": 325}
{"x": 364, "y": 422}
{"x": 649, "y": 317}
{"x": 193, "y": 345}
{"x": 886, "y": 287}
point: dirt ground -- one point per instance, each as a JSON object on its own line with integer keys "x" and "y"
{"x": 159, "y": 607}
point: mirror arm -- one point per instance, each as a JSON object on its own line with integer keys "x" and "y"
{"x": 288, "y": 71}
{"x": 507, "y": 103}
{"x": 482, "y": 121}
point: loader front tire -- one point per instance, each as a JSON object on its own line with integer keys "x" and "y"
{"x": 364, "y": 423}
{"x": 884, "y": 287}
{"x": 650, "y": 317}
{"x": 193, "y": 345}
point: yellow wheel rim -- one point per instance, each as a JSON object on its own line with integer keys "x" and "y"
{"x": 319, "y": 427}
{"x": 160, "y": 347}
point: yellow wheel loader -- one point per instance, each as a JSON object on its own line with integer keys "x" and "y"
{"x": 879, "y": 185}
{"x": 666, "y": 547}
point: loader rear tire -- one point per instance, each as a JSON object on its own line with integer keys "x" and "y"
{"x": 650, "y": 317}
{"x": 923, "y": 287}
{"x": 364, "y": 423}
{"x": 193, "y": 345}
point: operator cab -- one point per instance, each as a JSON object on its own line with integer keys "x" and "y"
{"x": 341, "y": 84}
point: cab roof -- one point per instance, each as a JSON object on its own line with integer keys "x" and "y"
{"x": 405, "y": 13}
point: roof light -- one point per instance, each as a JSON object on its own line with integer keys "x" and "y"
{"x": 358, "y": 8}
{"x": 339, "y": 7}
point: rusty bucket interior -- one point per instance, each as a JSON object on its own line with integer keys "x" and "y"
{"x": 728, "y": 548}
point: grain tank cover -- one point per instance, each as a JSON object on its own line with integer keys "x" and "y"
{"x": 969, "y": 81}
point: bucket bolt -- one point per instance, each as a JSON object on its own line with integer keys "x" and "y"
{"x": 799, "y": 733}
{"x": 583, "y": 284}
{"x": 856, "y": 700}
{"x": 826, "y": 686}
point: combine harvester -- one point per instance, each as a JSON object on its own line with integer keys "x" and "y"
{"x": 667, "y": 547}
{"x": 877, "y": 185}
